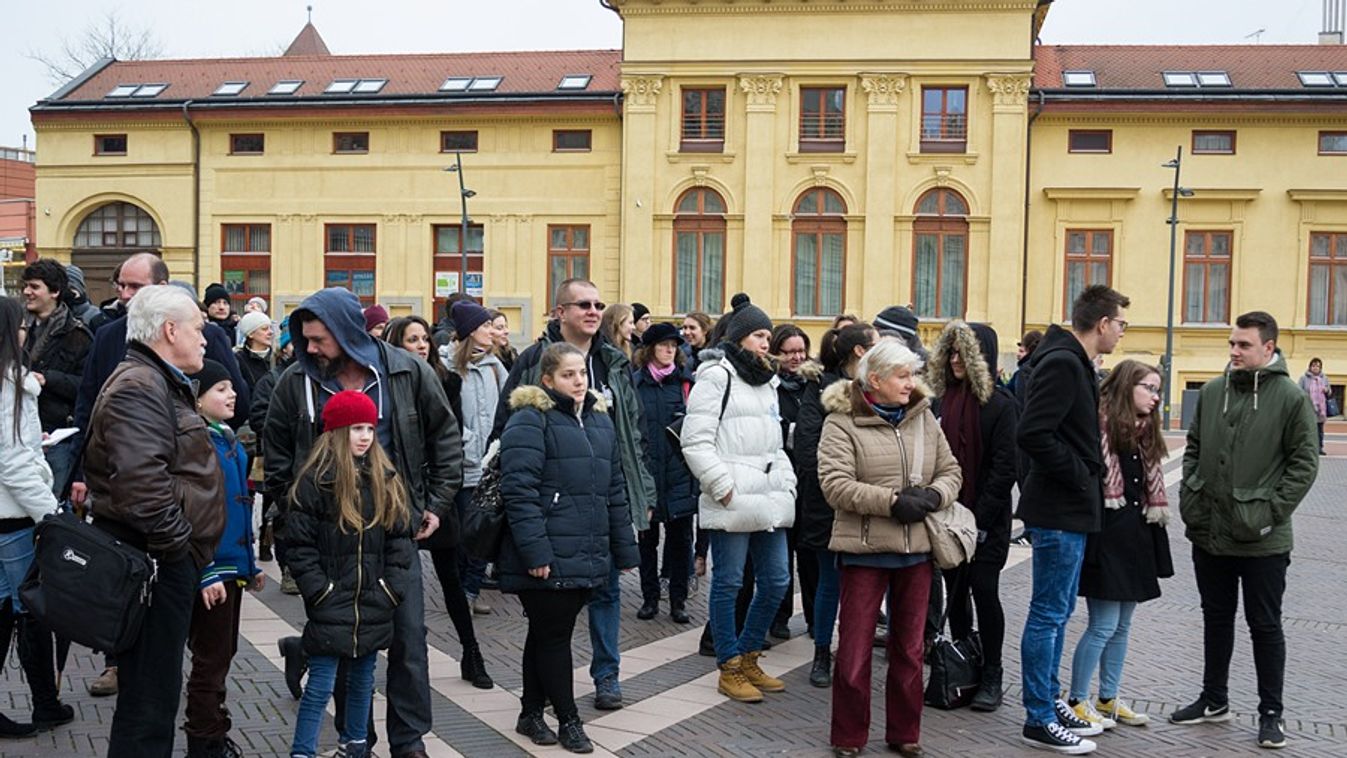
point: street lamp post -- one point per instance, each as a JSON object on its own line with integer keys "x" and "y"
{"x": 1176, "y": 164}
{"x": 463, "y": 193}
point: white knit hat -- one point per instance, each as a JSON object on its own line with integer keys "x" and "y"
{"x": 251, "y": 322}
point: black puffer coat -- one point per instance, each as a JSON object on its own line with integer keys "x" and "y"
{"x": 814, "y": 523}
{"x": 661, "y": 403}
{"x": 58, "y": 354}
{"x": 351, "y": 582}
{"x": 565, "y": 496}
{"x": 253, "y": 367}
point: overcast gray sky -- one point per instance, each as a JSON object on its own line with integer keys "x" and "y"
{"x": 210, "y": 28}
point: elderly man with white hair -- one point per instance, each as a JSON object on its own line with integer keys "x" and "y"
{"x": 154, "y": 482}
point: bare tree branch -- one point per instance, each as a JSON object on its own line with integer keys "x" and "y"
{"x": 108, "y": 37}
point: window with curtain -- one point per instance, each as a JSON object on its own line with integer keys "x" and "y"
{"x": 699, "y": 252}
{"x": 818, "y": 244}
{"x": 1206, "y": 277}
{"x": 245, "y": 261}
{"x": 567, "y": 255}
{"x": 940, "y": 255}
{"x": 1089, "y": 260}
{"x": 1328, "y": 279}
{"x": 349, "y": 259}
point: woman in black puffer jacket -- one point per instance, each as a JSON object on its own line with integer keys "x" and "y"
{"x": 566, "y": 505}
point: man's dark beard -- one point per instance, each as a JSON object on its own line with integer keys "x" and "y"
{"x": 331, "y": 368}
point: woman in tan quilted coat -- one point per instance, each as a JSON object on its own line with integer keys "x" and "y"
{"x": 884, "y": 465}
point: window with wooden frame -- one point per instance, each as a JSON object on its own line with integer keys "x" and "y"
{"x": 1209, "y": 142}
{"x": 703, "y": 125}
{"x": 1333, "y": 143}
{"x": 699, "y": 252}
{"x": 449, "y": 256}
{"x": 247, "y": 144}
{"x": 1089, "y": 141}
{"x": 118, "y": 227}
{"x": 567, "y": 256}
{"x": 109, "y": 144}
{"x": 245, "y": 261}
{"x": 350, "y": 143}
{"x": 940, "y": 255}
{"x": 1089, "y": 260}
{"x": 819, "y": 247}
{"x": 458, "y": 141}
{"x": 823, "y": 119}
{"x": 572, "y": 140}
{"x": 349, "y": 259}
{"x": 944, "y": 119}
{"x": 1206, "y": 277}
{"x": 1328, "y": 279}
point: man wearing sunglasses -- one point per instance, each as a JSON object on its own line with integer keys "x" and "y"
{"x": 576, "y": 320}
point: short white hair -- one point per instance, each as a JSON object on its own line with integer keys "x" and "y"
{"x": 887, "y": 356}
{"x": 154, "y": 306}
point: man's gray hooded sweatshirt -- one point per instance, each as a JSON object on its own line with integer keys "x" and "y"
{"x": 416, "y": 427}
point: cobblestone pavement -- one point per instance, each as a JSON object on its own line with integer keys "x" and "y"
{"x": 673, "y": 708}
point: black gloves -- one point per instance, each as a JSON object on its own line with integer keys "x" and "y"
{"x": 913, "y": 504}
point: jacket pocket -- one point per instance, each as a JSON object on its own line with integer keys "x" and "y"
{"x": 1251, "y": 516}
{"x": 1192, "y": 509}
{"x": 324, "y": 595}
{"x": 392, "y": 596}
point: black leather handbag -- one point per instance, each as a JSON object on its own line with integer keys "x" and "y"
{"x": 484, "y": 526}
{"x": 956, "y": 671}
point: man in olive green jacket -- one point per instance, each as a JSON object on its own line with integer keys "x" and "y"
{"x": 1252, "y": 455}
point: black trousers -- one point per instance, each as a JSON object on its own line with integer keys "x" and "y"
{"x": 548, "y": 673}
{"x": 977, "y": 584}
{"x": 806, "y": 565}
{"x": 1219, "y": 579}
{"x": 150, "y": 673}
{"x": 677, "y": 548}
{"x": 935, "y": 604}
{"x": 455, "y": 602}
{"x": 213, "y": 637}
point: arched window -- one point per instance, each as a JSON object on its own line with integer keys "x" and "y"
{"x": 699, "y": 252}
{"x": 940, "y": 255}
{"x": 106, "y": 237}
{"x": 819, "y": 245}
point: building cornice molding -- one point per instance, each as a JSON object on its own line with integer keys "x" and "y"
{"x": 763, "y": 7}
{"x": 1177, "y": 113}
{"x": 1091, "y": 193}
{"x": 1216, "y": 194}
{"x": 1318, "y": 195}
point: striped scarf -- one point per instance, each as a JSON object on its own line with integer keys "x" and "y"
{"x": 1113, "y": 478}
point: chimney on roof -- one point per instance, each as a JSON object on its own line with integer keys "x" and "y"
{"x": 1334, "y": 11}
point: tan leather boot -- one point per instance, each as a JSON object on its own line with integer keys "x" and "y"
{"x": 734, "y": 686}
{"x": 757, "y": 677}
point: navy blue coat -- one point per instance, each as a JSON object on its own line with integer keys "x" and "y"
{"x": 564, "y": 493}
{"x": 661, "y": 403}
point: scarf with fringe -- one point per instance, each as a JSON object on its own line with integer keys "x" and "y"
{"x": 1114, "y": 497}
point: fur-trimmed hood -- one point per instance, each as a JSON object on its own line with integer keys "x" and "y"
{"x": 529, "y": 396}
{"x": 959, "y": 337}
{"x": 810, "y": 371}
{"x": 845, "y": 396}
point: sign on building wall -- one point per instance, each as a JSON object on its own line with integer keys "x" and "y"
{"x": 446, "y": 283}
{"x": 475, "y": 284}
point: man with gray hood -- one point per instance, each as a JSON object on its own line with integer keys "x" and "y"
{"x": 417, "y": 430}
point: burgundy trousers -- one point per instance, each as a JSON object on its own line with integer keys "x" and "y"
{"x": 863, "y": 591}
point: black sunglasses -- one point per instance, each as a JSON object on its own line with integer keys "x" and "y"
{"x": 587, "y": 305}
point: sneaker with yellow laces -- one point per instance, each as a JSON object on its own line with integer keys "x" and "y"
{"x": 1086, "y": 712}
{"x": 1117, "y": 710}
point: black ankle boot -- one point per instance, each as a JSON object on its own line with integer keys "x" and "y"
{"x": 821, "y": 675}
{"x": 572, "y": 737}
{"x": 473, "y": 668}
{"x": 37, "y": 654}
{"x": 296, "y": 663}
{"x": 989, "y": 694}
{"x": 532, "y": 725}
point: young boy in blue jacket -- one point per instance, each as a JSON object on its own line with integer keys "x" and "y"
{"x": 214, "y": 632}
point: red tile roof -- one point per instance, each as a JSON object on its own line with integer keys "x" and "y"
{"x": 308, "y": 42}
{"x": 523, "y": 72}
{"x": 1139, "y": 67}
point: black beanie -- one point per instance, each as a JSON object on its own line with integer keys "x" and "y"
{"x": 215, "y": 292}
{"x": 639, "y": 311}
{"x": 745, "y": 319}
{"x": 896, "y": 318}
{"x": 211, "y": 374}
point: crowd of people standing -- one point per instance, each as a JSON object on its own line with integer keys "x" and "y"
{"x": 342, "y": 441}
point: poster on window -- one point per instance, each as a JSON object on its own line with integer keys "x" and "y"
{"x": 362, "y": 283}
{"x": 234, "y": 282}
{"x": 474, "y": 284}
{"x": 446, "y": 283}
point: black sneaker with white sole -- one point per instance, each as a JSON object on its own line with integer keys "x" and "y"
{"x": 1069, "y": 720}
{"x": 1271, "y": 731}
{"x": 1056, "y": 738}
{"x": 1201, "y": 712}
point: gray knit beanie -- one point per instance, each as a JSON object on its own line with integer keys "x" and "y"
{"x": 746, "y": 319}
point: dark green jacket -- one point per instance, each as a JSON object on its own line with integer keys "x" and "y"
{"x": 1252, "y": 455}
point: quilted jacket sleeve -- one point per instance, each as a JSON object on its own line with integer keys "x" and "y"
{"x": 303, "y": 524}
{"x": 837, "y": 474}
{"x": 522, "y": 456}
{"x": 621, "y": 537}
{"x": 701, "y": 426}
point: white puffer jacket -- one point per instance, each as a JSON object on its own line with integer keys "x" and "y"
{"x": 25, "y": 477}
{"x": 739, "y": 452}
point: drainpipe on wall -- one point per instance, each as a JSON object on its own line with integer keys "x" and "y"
{"x": 196, "y": 195}
{"x": 1024, "y": 257}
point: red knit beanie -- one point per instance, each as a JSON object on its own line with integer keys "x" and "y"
{"x": 348, "y": 408}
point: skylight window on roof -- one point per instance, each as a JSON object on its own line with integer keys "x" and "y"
{"x": 369, "y": 86}
{"x": 286, "y": 87}
{"x": 484, "y": 84}
{"x": 1341, "y": 78}
{"x": 1315, "y": 78}
{"x": 149, "y": 90}
{"x": 341, "y": 86}
{"x": 230, "y": 88}
{"x": 1180, "y": 79}
{"x": 574, "y": 81}
{"x": 1078, "y": 78}
{"x": 1213, "y": 79}
{"x": 456, "y": 84}
{"x": 123, "y": 90}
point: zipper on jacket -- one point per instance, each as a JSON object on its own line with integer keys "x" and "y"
{"x": 907, "y": 475}
{"x": 326, "y": 592}
{"x": 359, "y": 578}
{"x": 388, "y": 592}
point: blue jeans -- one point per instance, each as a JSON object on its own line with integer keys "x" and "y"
{"x": 318, "y": 690}
{"x": 61, "y": 458}
{"x": 16, "y": 555}
{"x": 826, "y": 598}
{"x": 1057, "y": 559}
{"x": 605, "y": 626}
{"x": 729, "y": 552}
{"x": 1104, "y": 644}
{"x": 471, "y": 571}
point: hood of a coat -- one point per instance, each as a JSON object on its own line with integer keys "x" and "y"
{"x": 1056, "y": 339}
{"x": 339, "y": 310}
{"x": 959, "y": 337}
{"x": 810, "y": 371}
{"x": 845, "y": 396}
{"x": 1245, "y": 380}
{"x": 530, "y": 396}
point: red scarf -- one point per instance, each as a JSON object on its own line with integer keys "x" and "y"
{"x": 961, "y": 420}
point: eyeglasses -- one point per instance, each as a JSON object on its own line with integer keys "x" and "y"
{"x": 786, "y": 353}
{"x": 587, "y": 305}
{"x": 1122, "y": 325}
{"x": 1151, "y": 388}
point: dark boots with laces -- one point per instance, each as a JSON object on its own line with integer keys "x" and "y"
{"x": 989, "y": 694}
{"x": 473, "y": 668}
{"x": 821, "y": 675}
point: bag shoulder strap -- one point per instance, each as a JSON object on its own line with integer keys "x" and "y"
{"x": 725, "y": 399}
{"x": 918, "y": 447}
